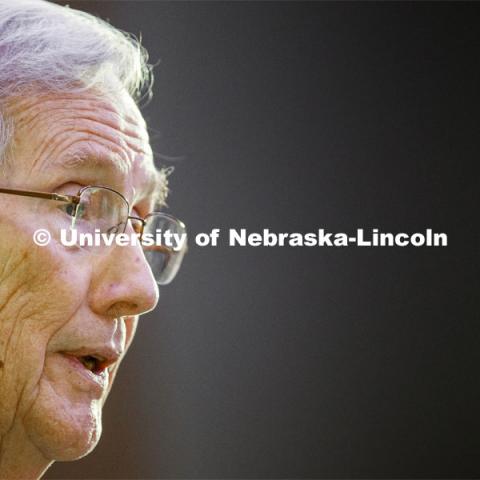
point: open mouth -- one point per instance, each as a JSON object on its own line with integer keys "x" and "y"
{"x": 95, "y": 364}
{"x": 96, "y": 360}
{"x": 91, "y": 367}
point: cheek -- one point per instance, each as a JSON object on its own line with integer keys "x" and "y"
{"x": 61, "y": 428}
{"x": 39, "y": 292}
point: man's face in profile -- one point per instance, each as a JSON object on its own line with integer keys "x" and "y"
{"x": 67, "y": 316}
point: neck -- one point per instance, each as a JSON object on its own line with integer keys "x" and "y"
{"x": 19, "y": 458}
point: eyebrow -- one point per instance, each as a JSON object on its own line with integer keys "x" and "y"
{"x": 87, "y": 160}
{"x": 155, "y": 187}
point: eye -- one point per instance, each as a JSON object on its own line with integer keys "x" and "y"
{"x": 70, "y": 188}
{"x": 71, "y": 208}
{"x": 113, "y": 230}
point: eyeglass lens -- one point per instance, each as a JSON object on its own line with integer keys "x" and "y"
{"x": 105, "y": 210}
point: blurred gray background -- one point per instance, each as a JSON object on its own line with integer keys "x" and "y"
{"x": 307, "y": 362}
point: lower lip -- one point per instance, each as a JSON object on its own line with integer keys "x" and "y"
{"x": 91, "y": 381}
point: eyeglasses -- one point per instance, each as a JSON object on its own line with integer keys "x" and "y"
{"x": 102, "y": 209}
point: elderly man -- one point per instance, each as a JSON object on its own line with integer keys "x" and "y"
{"x": 75, "y": 155}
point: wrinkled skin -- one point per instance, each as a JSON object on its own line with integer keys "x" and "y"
{"x": 56, "y": 299}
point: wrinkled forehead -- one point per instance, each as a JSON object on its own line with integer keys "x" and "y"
{"x": 96, "y": 138}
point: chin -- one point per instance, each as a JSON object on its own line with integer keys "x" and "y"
{"x": 63, "y": 428}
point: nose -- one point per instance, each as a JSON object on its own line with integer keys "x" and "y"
{"x": 122, "y": 283}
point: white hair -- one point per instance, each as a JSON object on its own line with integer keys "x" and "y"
{"x": 50, "y": 48}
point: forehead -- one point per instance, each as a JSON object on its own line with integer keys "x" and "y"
{"x": 97, "y": 136}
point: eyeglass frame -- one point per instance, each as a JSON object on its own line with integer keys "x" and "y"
{"x": 75, "y": 199}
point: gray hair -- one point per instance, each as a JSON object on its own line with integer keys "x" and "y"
{"x": 50, "y": 48}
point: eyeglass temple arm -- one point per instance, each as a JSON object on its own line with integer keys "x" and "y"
{"x": 158, "y": 248}
{"x": 48, "y": 196}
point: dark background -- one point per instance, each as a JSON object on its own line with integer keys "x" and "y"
{"x": 308, "y": 362}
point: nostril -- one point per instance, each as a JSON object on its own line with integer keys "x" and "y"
{"x": 122, "y": 309}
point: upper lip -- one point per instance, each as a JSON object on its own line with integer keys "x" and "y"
{"x": 103, "y": 354}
